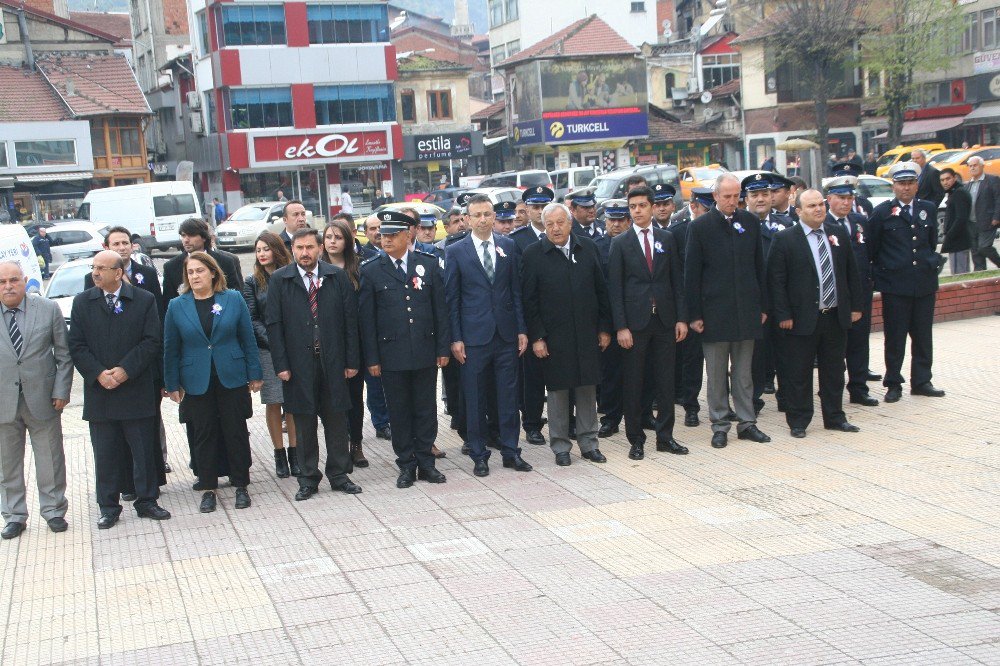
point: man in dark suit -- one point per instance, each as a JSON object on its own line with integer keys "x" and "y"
{"x": 115, "y": 344}
{"x": 293, "y": 216}
{"x": 957, "y": 232}
{"x": 609, "y": 397}
{"x": 724, "y": 281}
{"x": 985, "y": 192}
{"x": 196, "y": 236}
{"x": 815, "y": 294}
{"x": 583, "y": 207}
{"x": 646, "y": 290}
{"x": 929, "y": 187}
{"x": 405, "y": 339}
{"x": 840, "y": 202}
{"x": 483, "y": 287}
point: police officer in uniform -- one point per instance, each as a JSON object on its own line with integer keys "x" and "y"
{"x": 781, "y": 190}
{"x": 862, "y": 205}
{"x": 902, "y": 240}
{"x": 583, "y": 207}
{"x": 505, "y": 212}
{"x": 664, "y": 206}
{"x": 404, "y": 329}
{"x": 609, "y": 394}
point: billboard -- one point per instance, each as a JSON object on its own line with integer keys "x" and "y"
{"x": 444, "y": 146}
{"x": 592, "y": 83}
{"x": 526, "y": 93}
{"x": 528, "y": 133}
{"x": 320, "y": 147}
{"x": 595, "y": 125}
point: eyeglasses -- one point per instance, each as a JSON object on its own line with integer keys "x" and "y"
{"x": 103, "y": 268}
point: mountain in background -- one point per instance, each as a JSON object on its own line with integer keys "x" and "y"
{"x": 441, "y": 8}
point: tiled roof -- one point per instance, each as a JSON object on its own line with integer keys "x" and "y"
{"x": 725, "y": 90}
{"x": 588, "y": 36}
{"x": 35, "y": 100}
{"x": 490, "y": 111}
{"x": 94, "y": 85}
{"x": 422, "y": 63}
{"x": 112, "y": 23}
{"x": 59, "y": 20}
{"x": 669, "y": 131}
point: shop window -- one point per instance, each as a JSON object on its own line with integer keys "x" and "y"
{"x": 260, "y": 107}
{"x": 439, "y": 105}
{"x": 45, "y": 153}
{"x": 408, "y": 106}
{"x": 252, "y": 25}
{"x": 347, "y": 24}
{"x": 361, "y": 103}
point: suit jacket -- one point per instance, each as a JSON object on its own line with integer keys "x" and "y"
{"x": 290, "y": 333}
{"x": 403, "y": 327}
{"x": 188, "y": 355}
{"x": 793, "y": 283}
{"x": 603, "y": 245}
{"x": 632, "y": 288}
{"x": 44, "y": 371}
{"x": 100, "y": 340}
{"x": 595, "y": 226}
{"x": 679, "y": 229}
{"x": 929, "y": 187}
{"x": 957, "y": 231}
{"x": 143, "y": 277}
{"x": 903, "y": 251}
{"x": 173, "y": 274}
{"x": 478, "y": 310}
{"x": 286, "y": 239}
{"x": 987, "y": 202}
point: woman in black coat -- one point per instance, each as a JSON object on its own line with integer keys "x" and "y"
{"x": 957, "y": 227}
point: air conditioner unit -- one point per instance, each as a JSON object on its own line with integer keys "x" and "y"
{"x": 197, "y": 123}
{"x": 194, "y": 99}
{"x": 680, "y": 103}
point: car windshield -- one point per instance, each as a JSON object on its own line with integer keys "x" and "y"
{"x": 531, "y": 179}
{"x": 249, "y": 214}
{"x": 886, "y": 160}
{"x": 707, "y": 173}
{"x": 67, "y": 281}
{"x": 605, "y": 187}
{"x": 948, "y": 156}
{"x": 874, "y": 188}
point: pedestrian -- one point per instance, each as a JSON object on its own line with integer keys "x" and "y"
{"x": 38, "y": 375}
{"x": 853, "y": 157}
{"x": 815, "y": 295}
{"x": 374, "y": 244}
{"x": 42, "y": 245}
{"x": 294, "y": 217}
{"x": 280, "y": 196}
{"x": 725, "y": 285}
{"x": 218, "y": 210}
{"x": 568, "y": 317}
{"x": 405, "y": 339}
{"x": 316, "y": 360}
{"x": 929, "y": 187}
{"x": 767, "y": 164}
{"x": 870, "y": 165}
{"x": 646, "y": 291}
{"x": 210, "y": 358}
{"x": 346, "y": 203}
{"x": 609, "y": 397}
{"x": 902, "y": 239}
{"x": 985, "y": 192}
{"x": 114, "y": 340}
{"x": 270, "y": 255}
{"x": 957, "y": 239}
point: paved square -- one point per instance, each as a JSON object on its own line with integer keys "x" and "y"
{"x": 880, "y": 548}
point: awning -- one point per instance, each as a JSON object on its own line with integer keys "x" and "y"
{"x": 496, "y": 139}
{"x": 984, "y": 114}
{"x": 930, "y": 125}
{"x": 6, "y": 181}
{"x": 53, "y": 177}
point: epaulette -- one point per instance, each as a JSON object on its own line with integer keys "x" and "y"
{"x": 519, "y": 229}
{"x": 369, "y": 260}
{"x": 426, "y": 254}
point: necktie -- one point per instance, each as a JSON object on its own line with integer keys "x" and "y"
{"x": 399, "y": 267}
{"x": 566, "y": 251}
{"x": 15, "y": 332}
{"x": 111, "y": 302}
{"x": 906, "y": 211}
{"x": 827, "y": 282}
{"x": 488, "y": 262}
{"x": 313, "y": 295}
{"x": 648, "y": 249}
{"x": 847, "y": 226}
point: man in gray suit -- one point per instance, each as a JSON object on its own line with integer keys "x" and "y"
{"x": 37, "y": 373}
{"x": 985, "y": 192}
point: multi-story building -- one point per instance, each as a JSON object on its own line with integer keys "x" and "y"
{"x": 299, "y": 97}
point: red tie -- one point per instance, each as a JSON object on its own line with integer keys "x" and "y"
{"x": 313, "y": 295}
{"x": 649, "y": 250}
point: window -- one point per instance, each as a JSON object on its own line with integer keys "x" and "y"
{"x": 513, "y": 47}
{"x": 173, "y": 204}
{"x": 720, "y": 69}
{"x": 97, "y": 138}
{"x": 45, "y": 153}
{"x": 970, "y": 38}
{"x": 213, "y": 124}
{"x": 69, "y": 237}
{"x": 260, "y": 107}
{"x": 347, "y": 24}
{"x": 204, "y": 43}
{"x": 408, "y": 104}
{"x": 638, "y": 7}
{"x": 990, "y": 38}
{"x": 252, "y": 25}
{"x": 498, "y": 54}
{"x": 510, "y": 10}
{"x": 496, "y": 13}
{"x": 439, "y": 105}
{"x": 361, "y": 103}
{"x": 124, "y": 136}
{"x": 3, "y": 154}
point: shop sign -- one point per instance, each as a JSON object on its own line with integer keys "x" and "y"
{"x": 986, "y": 61}
{"x": 321, "y": 148}
{"x": 442, "y": 146}
{"x": 595, "y": 125}
{"x": 528, "y": 133}
{"x": 159, "y": 168}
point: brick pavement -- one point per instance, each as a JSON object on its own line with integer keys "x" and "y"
{"x": 881, "y": 548}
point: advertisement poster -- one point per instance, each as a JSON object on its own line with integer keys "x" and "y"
{"x": 593, "y": 83}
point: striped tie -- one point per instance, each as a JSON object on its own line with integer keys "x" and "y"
{"x": 827, "y": 282}
{"x": 313, "y": 295}
{"x": 488, "y": 262}
{"x": 15, "y": 332}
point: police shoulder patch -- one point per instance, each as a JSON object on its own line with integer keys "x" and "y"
{"x": 369, "y": 260}
{"x": 425, "y": 253}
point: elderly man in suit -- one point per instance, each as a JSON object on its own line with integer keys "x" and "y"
{"x": 115, "y": 344}
{"x": 929, "y": 187}
{"x": 37, "y": 373}
{"x": 293, "y": 216}
{"x": 483, "y": 290}
{"x": 985, "y": 192}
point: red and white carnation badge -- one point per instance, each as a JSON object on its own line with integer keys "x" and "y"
{"x": 418, "y": 283}
{"x": 896, "y": 210}
{"x": 500, "y": 252}
{"x": 833, "y": 240}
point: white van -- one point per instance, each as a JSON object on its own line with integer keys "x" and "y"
{"x": 565, "y": 181}
{"x": 154, "y": 211}
{"x": 16, "y": 246}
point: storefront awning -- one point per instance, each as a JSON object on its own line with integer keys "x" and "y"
{"x": 53, "y": 177}
{"x": 6, "y": 181}
{"x": 496, "y": 139}
{"x": 984, "y": 114}
{"x": 930, "y": 125}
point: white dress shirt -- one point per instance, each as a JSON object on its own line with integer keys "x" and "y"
{"x": 305, "y": 280}
{"x": 478, "y": 243}
{"x": 814, "y": 247}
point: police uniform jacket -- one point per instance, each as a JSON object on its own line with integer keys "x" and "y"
{"x": 524, "y": 237}
{"x": 859, "y": 243}
{"x": 769, "y": 228}
{"x": 903, "y": 251}
{"x": 603, "y": 245}
{"x": 404, "y": 321}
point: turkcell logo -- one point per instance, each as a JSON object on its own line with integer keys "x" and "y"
{"x": 571, "y": 127}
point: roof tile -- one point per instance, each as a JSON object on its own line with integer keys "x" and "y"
{"x": 586, "y": 37}
{"x": 94, "y": 85}
{"x": 35, "y": 100}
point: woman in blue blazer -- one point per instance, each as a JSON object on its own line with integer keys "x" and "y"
{"x": 209, "y": 359}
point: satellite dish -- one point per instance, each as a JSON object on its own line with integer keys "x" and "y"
{"x": 708, "y": 113}
{"x": 706, "y": 97}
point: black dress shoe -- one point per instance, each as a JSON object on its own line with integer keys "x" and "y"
{"x": 606, "y": 430}
{"x": 798, "y": 433}
{"x": 58, "y": 524}
{"x": 927, "y": 390}
{"x": 482, "y": 468}
{"x": 691, "y": 419}
{"x": 166, "y": 468}
{"x": 872, "y": 377}
{"x": 719, "y": 440}
{"x": 129, "y": 497}
{"x": 406, "y": 478}
{"x": 305, "y": 492}
{"x": 347, "y": 486}
{"x": 534, "y": 437}
{"x": 731, "y": 416}
{"x": 242, "y": 499}
{"x": 383, "y": 433}
{"x": 153, "y": 511}
{"x": 595, "y": 456}
{"x": 649, "y": 423}
{"x": 563, "y": 459}
{"x": 843, "y": 427}
{"x": 769, "y": 388}
{"x": 197, "y": 485}
{"x": 208, "y": 502}
{"x": 12, "y": 530}
{"x": 754, "y": 434}
{"x": 430, "y": 475}
{"x": 106, "y": 522}
{"x": 893, "y": 394}
{"x": 637, "y": 452}
{"x": 517, "y": 463}
{"x": 867, "y": 400}
{"x": 672, "y": 446}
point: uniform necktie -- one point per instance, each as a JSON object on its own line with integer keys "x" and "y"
{"x": 111, "y": 302}
{"x": 399, "y": 267}
{"x": 15, "y": 332}
{"x": 648, "y": 249}
{"x": 906, "y": 212}
{"x": 313, "y": 295}
{"x": 488, "y": 262}
{"x": 827, "y": 282}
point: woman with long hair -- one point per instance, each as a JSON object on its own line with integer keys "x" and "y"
{"x": 271, "y": 255}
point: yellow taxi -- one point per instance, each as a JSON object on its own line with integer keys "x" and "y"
{"x": 703, "y": 176}
{"x": 901, "y": 154}
{"x": 424, "y": 209}
{"x": 960, "y": 163}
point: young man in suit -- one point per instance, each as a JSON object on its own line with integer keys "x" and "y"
{"x": 38, "y": 374}
{"x": 815, "y": 296}
{"x": 115, "y": 344}
{"x": 196, "y": 236}
{"x": 483, "y": 288}
{"x": 646, "y": 290}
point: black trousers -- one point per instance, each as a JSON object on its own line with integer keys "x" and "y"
{"x": 356, "y": 414}
{"x": 218, "y": 419}
{"x": 411, "y": 396}
{"x": 858, "y": 351}
{"x": 827, "y": 345}
{"x": 339, "y": 462}
{"x": 609, "y": 394}
{"x": 911, "y": 316}
{"x": 689, "y": 372}
{"x": 452, "y": 387}
{"x": 652, "y": 347}
{"x": 766, "y": 360}
{"x": 112, "y": 440}
{"x": 532, "y": 392}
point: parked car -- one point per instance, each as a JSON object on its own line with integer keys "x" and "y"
{"x": 33, "y": 228}
{"x": 565, "y": 181}
{"x": 703, "y": 176}
{"x": 242, "y": 228}
{"x": 75, "y": 239}
{"x": 901, "y": 154}
{"x": 66, "y": 283}
{"x": 612, "y": 185}
{"x": 991, "y": 162}
{"x": 519, "y": 179}
{"x": 444, "y": 198}
{"x": 873, "y": 188}
{"x": 424, "y": 209}
{"x": 498, "y": 194}
{"x": 943, "y": 158}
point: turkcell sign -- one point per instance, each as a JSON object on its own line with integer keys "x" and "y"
{"x": 528, "y": 133}
{"x": 595, "y": 125}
